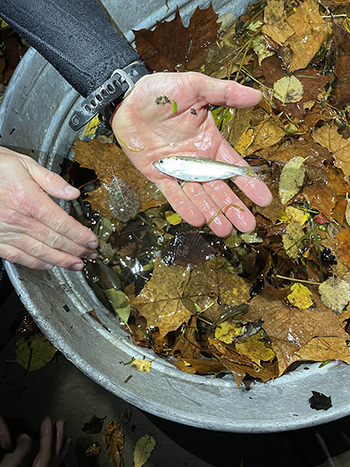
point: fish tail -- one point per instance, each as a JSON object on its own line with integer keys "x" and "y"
{"x": 252, "y": 171}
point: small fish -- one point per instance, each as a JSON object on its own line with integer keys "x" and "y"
{"x": 201, "y": 169}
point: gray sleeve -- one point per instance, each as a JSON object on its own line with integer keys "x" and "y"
{"x": 75, "y": 36}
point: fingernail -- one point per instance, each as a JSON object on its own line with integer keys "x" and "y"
{"x": 92, "y": 256}
{"x": 48, "y": 266}
{"x": 77, "y": 267}
{"x": 71, "y": 191}
{"x": 93, "y": 244}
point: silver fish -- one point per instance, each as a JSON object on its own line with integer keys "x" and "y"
{"x": 201, "y": 169}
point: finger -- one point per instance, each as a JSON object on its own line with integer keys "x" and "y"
{"x": 230, "y": 204}
{"x": 180, "y": 202}
{"x": 42, "y": 208}
{"x": 33, "y": 237}
{"x": 5, "y": 437}
{"x": 44, "y": 455}
{"x": 17, "y": 256}
{"x": 253, "y": 187}
{"x": 224, "y": 92}
{"x": 46, "y": 254}
{"x": 49, "y": 181}
{"x": 219, "y": 224}
{"x": 22, "y": 455}
{"x": 59, "y": 438}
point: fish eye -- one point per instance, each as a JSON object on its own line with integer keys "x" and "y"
{"x": 161, "y": 161}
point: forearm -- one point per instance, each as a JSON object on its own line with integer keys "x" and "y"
{"x": 75, "y": 36}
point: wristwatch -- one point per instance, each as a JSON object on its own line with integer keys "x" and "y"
{"x": 105, "y": 99}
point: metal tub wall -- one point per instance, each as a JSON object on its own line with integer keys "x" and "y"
{"x": 34, "y": 120}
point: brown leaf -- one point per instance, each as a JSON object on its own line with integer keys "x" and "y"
{"x": 343, "y": 238}
{"x": 173, "y": 47}
{"x": 329, "y": 137}
{"x": 189, "y": 249}
{"x": 186, "y": 345}
{"x": 113, "y": 437}
{"x": 275, "y": 22}
{"x": 160, "y": 299}
{"x": 195, "y": 366}
{"x": 321, "y": 349}
{"x": 310, "y": 33}
{"x": 214, "y": 281}
{"x": 288, "y": 327}
{"x": 108, "y": 160}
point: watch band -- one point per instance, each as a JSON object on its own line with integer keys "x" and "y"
{"x": 106, "y": 97}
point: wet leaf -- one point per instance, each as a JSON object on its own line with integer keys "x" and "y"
{"x": 124, "y": 202}
{"x": 220, "y": 283}
{"x": 260, "y": 48}
{"x": 227, "y": 331}
{"x": 310, "y": 32}
{"x": 276, "y": 25}
{"x": 190, "y": 249}
{"x": 288, "y": 89}
{"x": 266, "y": 134}
{"x": 160, "y": 299}
{"x": 93, "y": 450}
{"x": 255, "y": 349}
{"x": 35, "y": 352}
{"x": 141, "y": 365}
{"x": 290, "y": 328}
{"x": 329, "y": 137}
{"x": 157, "y": 49}
{"x": 143, "y": 450}
{"x": 343, "y": 238}
{"x": 301, "y": 296}
{"x": 292, "y": 179}
{"x": 335, "y": 293}
{"x": 293, "y": 241}
{"x": 113, "y": 437}
{"x": 120, "y": 303}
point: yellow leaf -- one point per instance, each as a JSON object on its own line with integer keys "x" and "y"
{"x": 292, "y": 241}
{"x": 227, "y": 331}
{"x": 300, "y": 296}
{"x": 173, "y": 218}
{"x": 260, "y": 48}
{"x": 254, "y": 348}
{"x": 35, "y": 352}
{"x": 297, "y": 215}
{"x": 288, "y": 89}
{"x": 335, "y": 293}
{"x": 245, "y": 141}
{"x": 143, "y": 450}
{"x": 141, "y": 365}
{"x": 292, "y": 178}
{"x": 266, "y": 134}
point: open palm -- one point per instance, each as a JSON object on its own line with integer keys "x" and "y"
{"x": 149, "y": 127}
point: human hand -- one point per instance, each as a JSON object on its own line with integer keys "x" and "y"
{"x": 147, "y": 132}
{"x": 34, "y": 230}
{"x": 53, "y": 447}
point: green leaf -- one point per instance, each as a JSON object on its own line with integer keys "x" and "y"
{"x": 143, "y": 450}
{"x": 35, "y": 352}
{"x": 120, "y": 303}
{"x": 288, "y": 89}
{"x": 292, "y": 179}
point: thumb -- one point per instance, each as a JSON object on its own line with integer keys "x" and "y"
{"x": 225, "y": 92}
{"x": 52, "y": 183}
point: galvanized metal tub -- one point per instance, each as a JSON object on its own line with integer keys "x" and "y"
{"x": 34, "y": 120}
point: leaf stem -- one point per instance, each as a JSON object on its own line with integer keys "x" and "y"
{"x": 296, "y": 280}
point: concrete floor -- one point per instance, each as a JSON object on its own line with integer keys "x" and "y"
{"x": 63, "y": 392}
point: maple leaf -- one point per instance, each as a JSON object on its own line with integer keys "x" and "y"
{"x": 322, "y": 349}
{"x": 288, "y": 327}
{"x": 213, "y": 281}
{"x": 329, "y": 137}
{"x": 173, "y": 47}
{"x": 160, "y": 299}
{"x": 310, "y": 33}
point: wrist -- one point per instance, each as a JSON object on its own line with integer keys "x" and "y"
{"x": 105, "y": 99}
